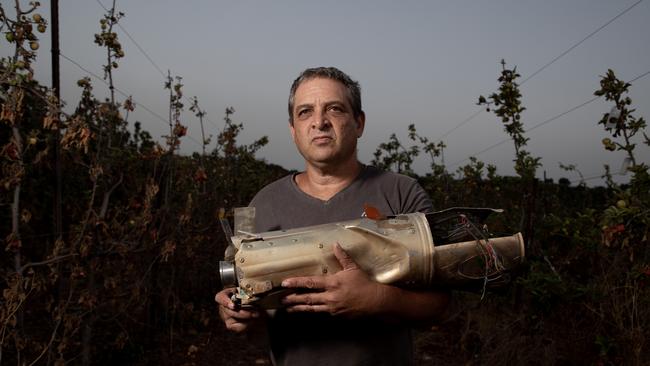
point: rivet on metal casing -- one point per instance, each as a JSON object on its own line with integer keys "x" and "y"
{"x": 412, "y": 231}
{"x": 295, "y": 240}
{"x": 241, "y": 260}
{"x": 320, "y": 245}
{"x": 324, "y": 270}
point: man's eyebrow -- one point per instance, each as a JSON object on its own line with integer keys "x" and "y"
{"x": 304, "y": 105}
{"x": 326, "y": 104}
{"x": 335, "y": 102}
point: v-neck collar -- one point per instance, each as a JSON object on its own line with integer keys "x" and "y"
{"x": 294, "y": 184}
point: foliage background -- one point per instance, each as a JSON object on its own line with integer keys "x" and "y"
{"x": 120, "y": 267}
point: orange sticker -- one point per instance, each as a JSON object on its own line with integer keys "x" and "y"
{"x": 372, "y": 212}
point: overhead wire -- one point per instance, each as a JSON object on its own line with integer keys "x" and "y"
{"x": 149, "y": 58}
{"x": 599, "y": 176}
{"x": 466, "y": 120}
{"x": 575, "y": 45}
{"x": 532, "y": 128}
{"x": 460, "y": 124}
{"x": 581, "y": 41}
{"x": 549, "y": 120}
{"x": 136, "y": 43}
{"x": 125, "y": 95}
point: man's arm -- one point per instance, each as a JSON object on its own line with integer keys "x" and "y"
{"x": 351, "y": 293}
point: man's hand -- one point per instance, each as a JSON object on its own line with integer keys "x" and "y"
{"x": 235, "y": 320}
{"x": 349, "y": 292}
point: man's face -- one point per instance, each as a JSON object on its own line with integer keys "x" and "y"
{"x": 324, "y": 128}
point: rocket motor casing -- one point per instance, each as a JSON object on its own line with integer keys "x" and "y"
{"x": 398, "y": 251}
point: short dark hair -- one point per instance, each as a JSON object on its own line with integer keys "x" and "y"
{"x": 353, "y": 88}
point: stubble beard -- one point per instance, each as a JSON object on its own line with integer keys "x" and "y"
{"x": 331, "y": 160}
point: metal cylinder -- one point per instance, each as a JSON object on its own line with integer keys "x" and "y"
{"x": 398, "y": 251}
{"x": 227, "y": 274}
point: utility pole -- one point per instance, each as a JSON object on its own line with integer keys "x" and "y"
{"x": 56, "y": 86}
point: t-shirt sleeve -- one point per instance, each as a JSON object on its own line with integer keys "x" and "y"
{"x": 271, "y": 205}
{"x": 264, "y": 210}
{"x": 415, "y": 198}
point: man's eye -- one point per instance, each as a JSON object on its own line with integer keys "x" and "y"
{"x": 336, "y": 108}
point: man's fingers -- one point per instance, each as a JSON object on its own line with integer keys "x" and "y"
{"x": 223, "y": 298}
{"x": 312, "y": 298}
{"x": 308, "y": 308}
{"x": 241, "y": 314}
{"x": 346, "y": 261}
{"x": 313, "y": 282}
{"x": 235, "y": 326}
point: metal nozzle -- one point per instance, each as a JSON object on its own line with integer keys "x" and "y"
{"x": 227, "y": 274}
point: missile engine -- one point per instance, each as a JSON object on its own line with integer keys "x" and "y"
{"x": 445, "y": 249}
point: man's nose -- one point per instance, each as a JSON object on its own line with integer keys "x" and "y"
{"x": 321, "y": 122}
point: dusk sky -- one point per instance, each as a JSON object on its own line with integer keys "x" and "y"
{"x": 418, "y": 62}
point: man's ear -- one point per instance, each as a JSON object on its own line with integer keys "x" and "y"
{"x": 361, "y": 123}
{"x": 292, "y": 130}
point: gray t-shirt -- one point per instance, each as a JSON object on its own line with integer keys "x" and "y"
{"x": 321, "y": 339}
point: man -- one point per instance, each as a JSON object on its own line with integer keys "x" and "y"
{"x": 344, "y": 318}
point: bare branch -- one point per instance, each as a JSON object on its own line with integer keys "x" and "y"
{"x": 107, "y": 196}
{"x": 49, "y": 261}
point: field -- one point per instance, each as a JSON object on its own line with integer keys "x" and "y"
{"x": 111, "y": 239}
